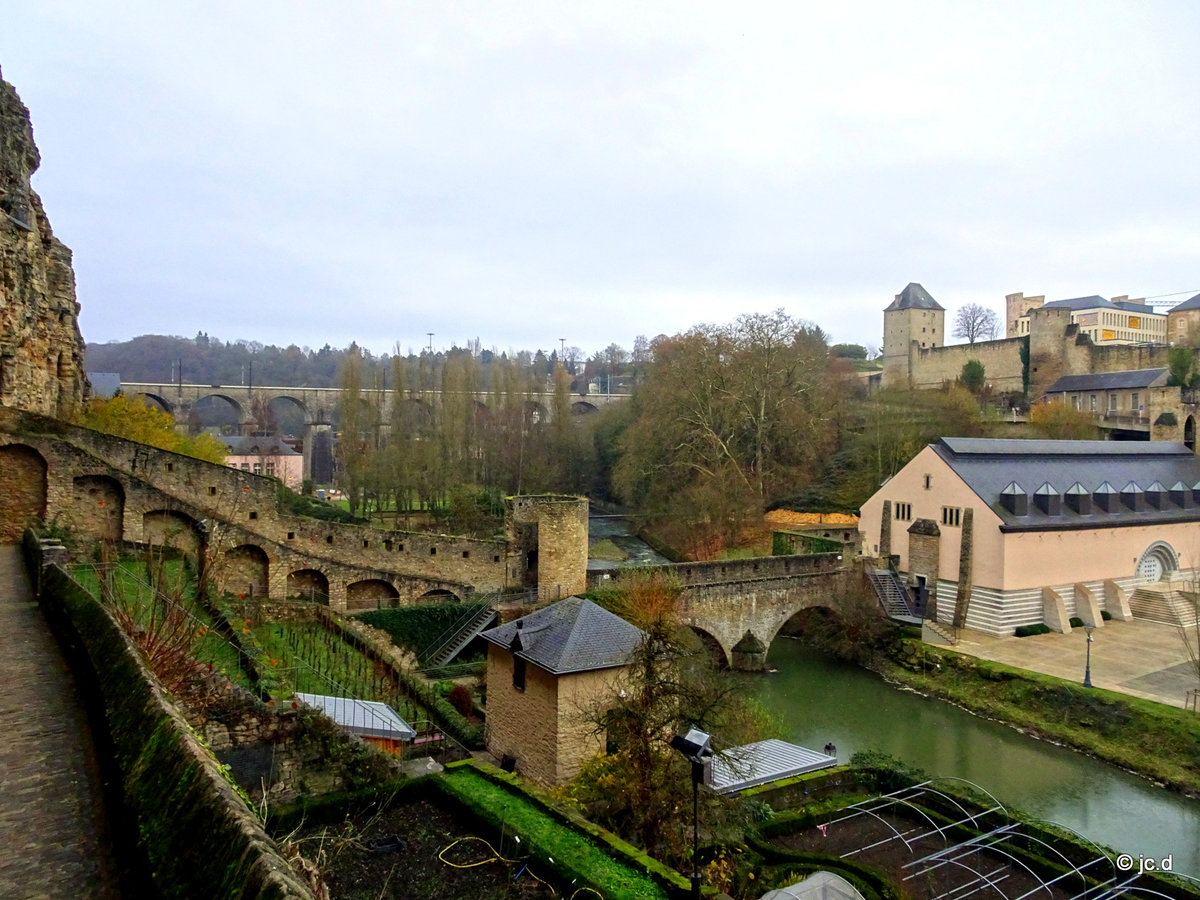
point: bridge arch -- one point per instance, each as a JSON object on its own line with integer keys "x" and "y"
{"x": 154, "y": 401}
{"x": 219, "y": 411}
{"x": 171, "y": 528}
{"x": 371, "y": 593}
{"x": 583, "y": 408}
{"x": 98, "y": 506}
{"x": 308, "y": 584}
{"x": 711, "y": 646}
{"x": 23, "y": 502}
{"x": 247, "y": 571}
{"x": 288, "y": 414}
{"x": 535, "y": 414}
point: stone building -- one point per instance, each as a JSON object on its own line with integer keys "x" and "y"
{"x": 1116, "y": 321}
{"x": 41, "y": 349}
{"x": 1004, "y": 533}
{"x": 550, "y": 674}
{"x": 1183, "y": 322}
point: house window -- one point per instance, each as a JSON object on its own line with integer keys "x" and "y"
{"x": 904, "y": 512}
{"x": 518, "y": 673}
{"x": 1075, "y": 401}
{"x": 246, "y": 467}
{"x": 951, "y": 515}
{"x": 928, "y": 481}
{"x": 1092, "y": 402}
{"x": 258, "y": 468}
{"x": 271, "y": 469}
{"x": 1112, "y": 403}
{"x": 1133, "y": 399}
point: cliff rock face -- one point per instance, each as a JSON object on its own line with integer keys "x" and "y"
{"x": 41, "y": 349}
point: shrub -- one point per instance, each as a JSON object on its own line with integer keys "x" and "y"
{"x": 1029, "y": 630}
{"x": 1076, "y": 622}
{"x": 460, "y": 698}
{"x": 1105, "y": 615}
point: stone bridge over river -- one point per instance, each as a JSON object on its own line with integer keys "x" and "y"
{"x": 738, "y": 607}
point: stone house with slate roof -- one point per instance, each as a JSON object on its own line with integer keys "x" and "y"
{"x": 1004, "y": 533}
{"x": 547, "y": 674}
{"x": 1183, "y": 321}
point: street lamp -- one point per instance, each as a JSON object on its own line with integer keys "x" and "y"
{"x": 696, "y": 745}
{"x": 1087, "y": 671}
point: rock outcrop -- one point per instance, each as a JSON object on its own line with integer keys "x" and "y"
{"x": 41, "y": 349}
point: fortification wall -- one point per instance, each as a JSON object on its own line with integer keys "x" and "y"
{"x": 1001, "y": 364}
{"x": 41, "y": 349}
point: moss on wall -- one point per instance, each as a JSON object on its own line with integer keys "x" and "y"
{"x": 197, "y": 833}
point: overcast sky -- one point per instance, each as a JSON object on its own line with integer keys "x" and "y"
{"x": 312, "y": 173}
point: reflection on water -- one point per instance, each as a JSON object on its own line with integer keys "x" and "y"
{"x": 822, "y": 700}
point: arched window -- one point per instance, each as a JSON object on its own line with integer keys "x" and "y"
{"x": 1158, "y": 560}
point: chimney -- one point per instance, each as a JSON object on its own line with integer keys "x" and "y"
{"x": 1156, "y": 495}
{"x": 1181, "y": 495}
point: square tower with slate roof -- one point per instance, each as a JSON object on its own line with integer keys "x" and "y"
{"x": 914, "y": 321}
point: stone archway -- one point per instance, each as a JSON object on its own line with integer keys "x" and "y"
{"x": 1189, "y": 433}
{"x": 1157, "y": 561}
{"x": 308, "y": 584}
{"x": 247, "y": 571}
{"x": 22, "y": 491}
{"x": 373, "y": 593}
{"x": 711, "y": 646}
{"x": 171, "y": 528}
{"x": 440, "y": 595}
{"x": 98, "y": 506}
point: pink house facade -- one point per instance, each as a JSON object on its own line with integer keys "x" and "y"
{"x": 1003, "y": 533}
{"x": 266, "y": 456}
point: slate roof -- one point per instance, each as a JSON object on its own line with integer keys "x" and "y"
{"x": 1190, "y": 303}
{"x": 1095, "y": 301}
{"x": 1125, "y": 468}
{"x": 366, "y": 717}
{"x": 913, "y": 297}
{"x": 1110, "y": 381}
{"x": 573, "y": 635}
{"x": 257, "y": 445}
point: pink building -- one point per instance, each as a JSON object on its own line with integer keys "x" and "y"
{"x": 265, "y": 455}
{"x": 1003, "y": 533}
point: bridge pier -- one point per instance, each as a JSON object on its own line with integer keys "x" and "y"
{"x": 318, "y": 453}
{"x": 750, "y": 654}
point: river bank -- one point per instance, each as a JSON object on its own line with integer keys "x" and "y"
{"x": 1150, "y": 739}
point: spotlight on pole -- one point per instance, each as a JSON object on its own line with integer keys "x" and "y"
{"x": 696, "y": 745}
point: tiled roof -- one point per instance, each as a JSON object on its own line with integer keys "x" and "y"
{"x": 257, "y": 445}
{"x": 573, "y": 635}
{"x": 1110, "y": 381}
{"x": 913, "y": 297}
{"x": 1095, "y": 301}
{"x": 1115, "y": 476}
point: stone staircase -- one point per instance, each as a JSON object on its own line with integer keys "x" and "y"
{"x": 1161, "y": 601}
{"x": 892, "y": 594}
{"x": 474, "y": 621}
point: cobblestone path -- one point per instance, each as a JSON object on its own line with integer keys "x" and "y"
{"x": 53, "y": 834}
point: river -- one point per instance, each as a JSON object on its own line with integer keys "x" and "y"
{"x": 823, "y": 700}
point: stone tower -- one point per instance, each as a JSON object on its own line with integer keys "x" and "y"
{"x": 1015, "y": 306}
{"x": 41, "y": 349}
{"x": 551, "y": 532}
{"x": 913, "y": 322}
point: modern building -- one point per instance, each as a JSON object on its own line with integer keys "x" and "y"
{"x": 1004, "y": 533}
{"x": 1116, "y": 321}
{"x": 549, "y": 675}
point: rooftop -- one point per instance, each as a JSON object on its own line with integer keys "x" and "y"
{"x": 1110, "y": 381}
{"x": 913, "y": 297}
{"x": 573, "y": 635}
{"x": 364, "y": 717}
{"x": 763, "y": 762}
{"x": 1190, "y": 303}
{"x": 1057, "y": 485}
{"x": 1095, "y": 301}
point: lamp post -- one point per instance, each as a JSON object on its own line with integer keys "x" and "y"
{"x": 696, "y": 745}
{"x": 1087, "y": 670}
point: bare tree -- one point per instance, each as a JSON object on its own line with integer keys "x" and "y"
{"x": 975, "y": 323}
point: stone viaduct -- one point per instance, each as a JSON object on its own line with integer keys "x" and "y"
{"x": 738, "y": 607}
{"x": 115, "y": 489}
{"x": 317, "y": 405}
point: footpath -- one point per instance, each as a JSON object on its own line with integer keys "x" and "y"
{"x": 53, "y": 832}
{"x": 1140, "y": 658}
